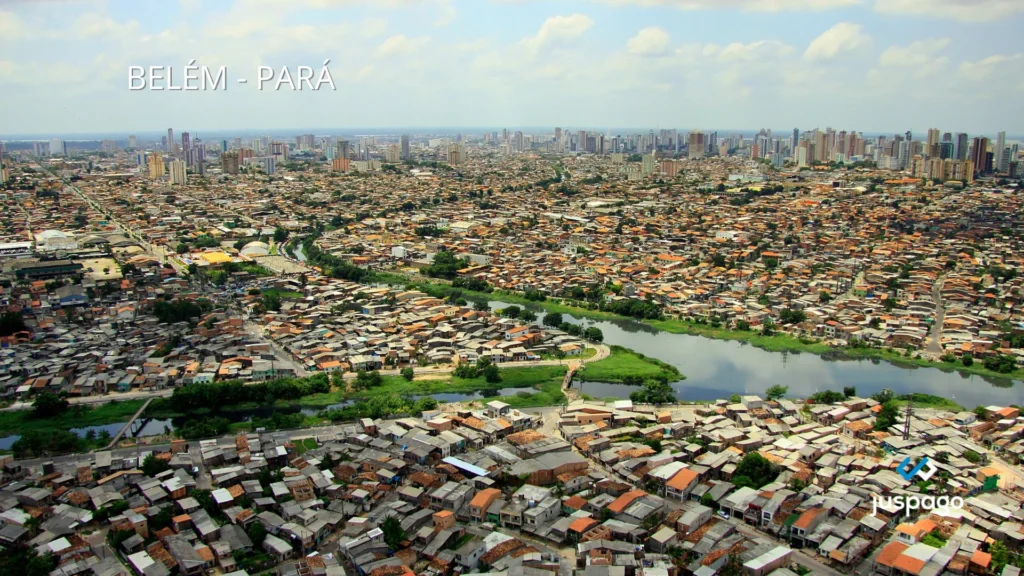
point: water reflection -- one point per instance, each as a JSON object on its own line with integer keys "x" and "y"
{"x": 720, "y": 368}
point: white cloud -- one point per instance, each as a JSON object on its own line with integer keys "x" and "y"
{"x": 400, "y": 44}
{"x": 843, "y": 37}
{"x": 917, "y": 53}
{"x": 447, "y": 14}
{"x": 651, "y": 41}
{"x": 1012, "y": 65}
{"x": 745, "y": 5}
{"x": 558, "y": 29}
{"x": 962, "y": 10}
{"x": 103, "y": 27}
{"x": 11, "y": 26}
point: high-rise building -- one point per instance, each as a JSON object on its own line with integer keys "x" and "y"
{"x": 132, "y": 143}
{"x": 58, "y": 147}
{"x": 269, "y": 165}
{"x": 960, "y": 146}
{"x": 457, "y": 153}
{"x": 979, "y": 154}
{"x": 1000, "y": 146}
{"x": 406, "y": 152}
{"x": 795, "y": 141}
{"x": 341, "y": 149}
{"x": 156, "y": 165}
{"x": 648, "y": 164}
{"x": 696, "y": 144}
{"x": 223, "y": 146}
{"x": 519, "y": 142}
{"x": 558, "y": 139}
{"x": 229, "y": 162}
{"x": 933, "y": 143}
{"x": 186, "y": 148}
{"x": 171, "y": 144}
{"x": 178, "y": 172}
{"x": 340, "y": 165}
{"x": 393, "y": 153}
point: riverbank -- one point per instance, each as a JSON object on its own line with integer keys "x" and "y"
{"x": 21, "y": 422}
{"x": 778, "y": 342}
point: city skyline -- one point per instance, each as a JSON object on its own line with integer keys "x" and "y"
{"x": 865, "y": 65}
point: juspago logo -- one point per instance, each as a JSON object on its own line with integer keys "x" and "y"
{"x": 923, "y": 470}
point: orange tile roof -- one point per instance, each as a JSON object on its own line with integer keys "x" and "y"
{"x": 682, "y": 479}
{"x": 575, "y": 502}
{"x": 625, "y": 500}
{"x": 581, "y": 525}
{"x": 889, "y": 554}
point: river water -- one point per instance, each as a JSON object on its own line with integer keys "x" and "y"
{"x": 716, "y": 369}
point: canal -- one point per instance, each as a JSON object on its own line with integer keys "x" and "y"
{"x": 719, "y": 368}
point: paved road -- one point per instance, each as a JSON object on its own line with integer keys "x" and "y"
{"x": 801, "y": 557}
{"x": 934, "y": 345}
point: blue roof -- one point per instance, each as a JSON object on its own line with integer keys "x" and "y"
{"x": 466, "y": 466}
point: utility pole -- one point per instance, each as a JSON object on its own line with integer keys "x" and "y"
{"x": 906, "y": 421}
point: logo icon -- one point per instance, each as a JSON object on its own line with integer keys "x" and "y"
{"x": 924, "y": 469}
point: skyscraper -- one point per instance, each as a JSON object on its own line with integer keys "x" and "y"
{"x": 960, "y": 146}
{"x": 156, "y": 165}
{"x": 132, "y": 142}
{"x": 1000, "y": 145}
{"x": 796, "y": 140}
{"x": 341, "y": 149}
{"x": 979, "y": 154}
{"x": 933, "y": 143}
{"x": 696, "y": 145}
{"x": 178, "y": 174}
{"x": 229, "y": 162}
{"x": 405, "y": 147}
{"x": 171, "y": 144}
{"x": 186, "y": 148}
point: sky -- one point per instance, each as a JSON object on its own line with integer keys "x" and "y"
{"x": 865, "y": 65}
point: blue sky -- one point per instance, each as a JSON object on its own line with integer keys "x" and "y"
{"x": 870, "y": 65}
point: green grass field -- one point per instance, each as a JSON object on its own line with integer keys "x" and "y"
{"x": 282, "y": 294}
{"x": 21, "y": 421}
{"x": 624, "y": 364}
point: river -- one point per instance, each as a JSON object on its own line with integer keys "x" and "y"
{"x": 716, "y": 369}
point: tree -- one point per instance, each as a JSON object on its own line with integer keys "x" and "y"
{"x": 754, "y": 471}
{"x": 26, "y": 561}
{"x": 527, "y": 315}
{"x": 49, "y": 405}
{"x": 849, "y": 391}
{"x": 257, "y": 533}
{"x": 491, "y": 373}
{"x": 888, "y": 416}
{"x": 408, "y": 373}
{"x": 967, "y": 360}
{"x": 181, "y": 248}
{"x": 481, "y": 306}
{"x": 152, "y": 465}
{"x": 593, "y": 334}
{"x": 11, "y": 323}
{"x": 553, "y": 319}
{"x": 824, "y": 297}
{"x": 510, "y": 312}
{"x": 972, "y": 456}
{"x": 271, "y": 302}
{"x": 776, "y": 392}
{"x": 280, "y": 235}
{"x": 394, "y": 535}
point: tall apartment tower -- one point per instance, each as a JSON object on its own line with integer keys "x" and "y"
{"x": 171, "y": 144}
{"x": 229, "y": 162}
{"x": 933, "y": 143}
{"x": 960, "y": 146}
{"x": 696, "y": 144}
{"x": 406, "y": 154}
{"x": 178, "y": 174}
{"x": 186, "y": 148}
{"x": 1000, "y": 146}
{"x": 979, "y": 154}
{"x": 156, "y": 166}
